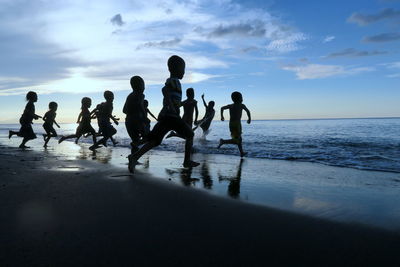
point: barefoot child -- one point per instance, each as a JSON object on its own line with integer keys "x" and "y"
{"x": 189, "y": 107}
{"x": 205, "y": 122}
{"x": 84, "y": 123}
{"x": 104, "y": 115}
{"x": 235, "y": 126}
{"x": 169, "y": 118}
{"x": 135, "y": 112}
{"x": 26, "y": 119}
{"x": 50, "y": 119}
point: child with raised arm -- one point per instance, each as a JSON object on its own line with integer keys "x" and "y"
{"x": 235, "y": 125}
{"x": 84, "y": 126}
{"x": 168, "y": 118}
{"x": 50, "y": 119}
{"x": 205, "y": 122}
{"x": 189, "y": 107}
{"x": 104, "y": 114}
{"x": 135, "y": 112}
{"x": 26, "y": 119}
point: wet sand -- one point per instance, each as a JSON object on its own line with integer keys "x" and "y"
{"x": 64, "y": 212}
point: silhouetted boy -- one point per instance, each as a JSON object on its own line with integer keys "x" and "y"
{"x": 84, "y": 119}
{"x": 189, "y": 107}
{"x": 104, "y": 114}
{"x": 205, "y": 122}
{"x": 235, "y": 125}
{"x": 26, "y": 119}
{"x": 135, "y": 112}
{"x": 168, "y": 118}
{"x": 50, "y": 119}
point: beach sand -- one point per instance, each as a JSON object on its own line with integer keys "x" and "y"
{"x": 57, "y": 211}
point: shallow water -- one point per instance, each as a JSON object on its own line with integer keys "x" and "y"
{"x": 342, "y": 194}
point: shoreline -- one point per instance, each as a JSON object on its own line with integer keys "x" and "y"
{"x": 64, "y": 212}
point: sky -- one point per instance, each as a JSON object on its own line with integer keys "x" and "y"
{"x": 289, "y": 59}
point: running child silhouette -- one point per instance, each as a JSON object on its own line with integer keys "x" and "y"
{"x": 104, "y": 114}
{"x": 135, "y": 111}
{"x": 26, "y": 119}
{"x": 205, "y": 122}
{"x": 168, "y": 118}
{"x": 50, "y": 119}
{"x": 189, "y": 107}
{"x": 84, "y": 126}
{"x": 235, "y": 125}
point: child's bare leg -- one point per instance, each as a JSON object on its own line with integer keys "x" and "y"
{"x": 11, "y": 133}
{"x": 46, "y": 140}
{"x": 242, "y": 153}
{"x": 187, "y": 162}
{"x": 22, "y": 145}
{"x": 68, "y": 137}
{"x": 133, "y": 158}
{"x": 227, "y": 141}
{"x": 114, "y": 141}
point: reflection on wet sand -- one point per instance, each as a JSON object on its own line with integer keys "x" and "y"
{"x": 103, "y": 157}
{"x": 234, "y": 181}
{"x": 205, "y": 176}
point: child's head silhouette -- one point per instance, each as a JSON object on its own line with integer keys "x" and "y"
{"x": 53, "y": 106}
{"x": 86, "y": 102}
{"x": 176, "y": 66}
{"x": 137, "y": 84}
{"x": 31, "y": 96}
{"x": 108, "y": 95}
{"x": 190, "y": 93}
{"x": 237, "y": 97}
{"x": 211, "y": 104}
{"x": 145, "y": 103}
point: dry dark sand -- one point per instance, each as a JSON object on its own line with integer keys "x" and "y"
{"x": 55, "y": 212}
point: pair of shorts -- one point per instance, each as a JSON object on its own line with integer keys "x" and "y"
{"x": 107, "y": 130}
{"x": 26, "y": 131}
{"x": 85, "y": 128}
{"x": 236, "y": 130}
{"x": 135, "y": 129}
{"x": 49, "y": 129}
{"x": 166, "y": 124}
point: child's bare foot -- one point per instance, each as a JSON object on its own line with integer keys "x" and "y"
{"x": 190, "y": 164}
{"x": 115, "y": 143}
{"x": 61, "y": 139}
{"x": 10, "y": 134}
{"x": 243, "y": 154}
{"x": 23, "y": 146}
{"x": 76, "y": 141}
{"x": 132, "y": 162}
{"x": 45, "y": 146}
{"x": 220, "y": 143}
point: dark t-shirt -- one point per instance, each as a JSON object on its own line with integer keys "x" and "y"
{"x": 105, "y": 111}
{"x": 173, "y": 89}
{"x": 50, "y": 117}
{"x": 29, "y": 112}
{"x": 133, "y": 107}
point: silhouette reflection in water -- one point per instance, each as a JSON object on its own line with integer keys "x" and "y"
{"x": 205, "y": 176}
{"x": 234, "y": 181}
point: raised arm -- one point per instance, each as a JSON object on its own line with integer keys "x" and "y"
{"x": 56, "y": 124}
{"x": 222, "y": 112}
{"x": 196, "y": 113}
{"x": 151, "y": 114}
{"x": 204, "y": 102}
{"x": 248, "y": 113}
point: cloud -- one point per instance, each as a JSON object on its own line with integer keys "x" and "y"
{"x": 393, "y": 66}
{"x": 250, "y": 29}
{"x": 384, "y": 37}
{"x": 328, "y": 39}
{"x": 351, "y": 52}
{"x": 74, "y": 46}
{"x": 117, "y": 20}
{"x": 363, "y": 19}
{"x": 167, "y": 43}
{"x": 319, "y": 71}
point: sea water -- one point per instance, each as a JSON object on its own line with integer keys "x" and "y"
{"x": 369, "y": 144}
